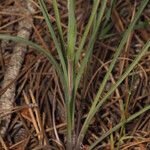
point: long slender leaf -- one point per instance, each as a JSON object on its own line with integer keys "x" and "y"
{"x": 71, "y": 30}
{"x": 113, "y": 88}
{"x": 48, "y": 21}
{"x": 87, "y": 29}
{"x": 93, "y": 108}
{"x": 58, "y": 22}
{"x": 118, "y": 126}
{"x": 38, "y": 49}
{"x": 91, "y": 45}
{"x": 108, "y": 13}
{"x": 86, "y": 58}
{"x": 123, "y": 76}
{"x": 71, "y": 37}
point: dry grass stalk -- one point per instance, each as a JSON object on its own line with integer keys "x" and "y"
{"x": 3, "y": 143}
{"x": 32, "y": 116}
{"x": 38, "y": 118}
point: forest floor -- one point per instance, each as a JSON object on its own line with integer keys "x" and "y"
{"x": 38, "y": 117}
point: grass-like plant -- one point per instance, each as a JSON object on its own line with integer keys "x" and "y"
{"x": 70, "y": 75}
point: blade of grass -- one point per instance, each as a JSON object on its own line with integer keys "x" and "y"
{"x": 108, "y": 12}
{"x": 71, "y": 37}
{"x": 118, "y": 126}
{"x": 51, "y": 30}
{"x": 58, "y": 22}
{"x": 104, "y": 33}
{"x": 87, "y": 29}
{"x": 113, "y": 88}
{"x": 124, "y": 75}
{"x": 87, "y": 56}
{"x": 71, "y": 30}
{"x": 122, "y": 104}
{"x": 119, "y": 49}
{"x": 95, "y": 108}
{"x": 90, "y": 45}
{"x": 38, "y": 49}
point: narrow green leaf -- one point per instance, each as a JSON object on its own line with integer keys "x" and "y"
{"x": 71, "y": 37}
{"x": 90, "y": 45}
{"x": 57, "y": 45}
{"x": 87, "y": 29}
{"x": 85, "y": 61}
{"x": 123, "y": 76}
{"x": 95, "y": 108}
{"x": 38, "y": 49}
{"x": 113, "y": 88}
{"x": 118, "y": 126}
{"x": 58, "y": 22}
{"x": 108, "y": 12}
{"x": 72, "y": 33}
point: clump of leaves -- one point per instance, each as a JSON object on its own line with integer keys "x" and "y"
{"x": 70, "y": 75}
